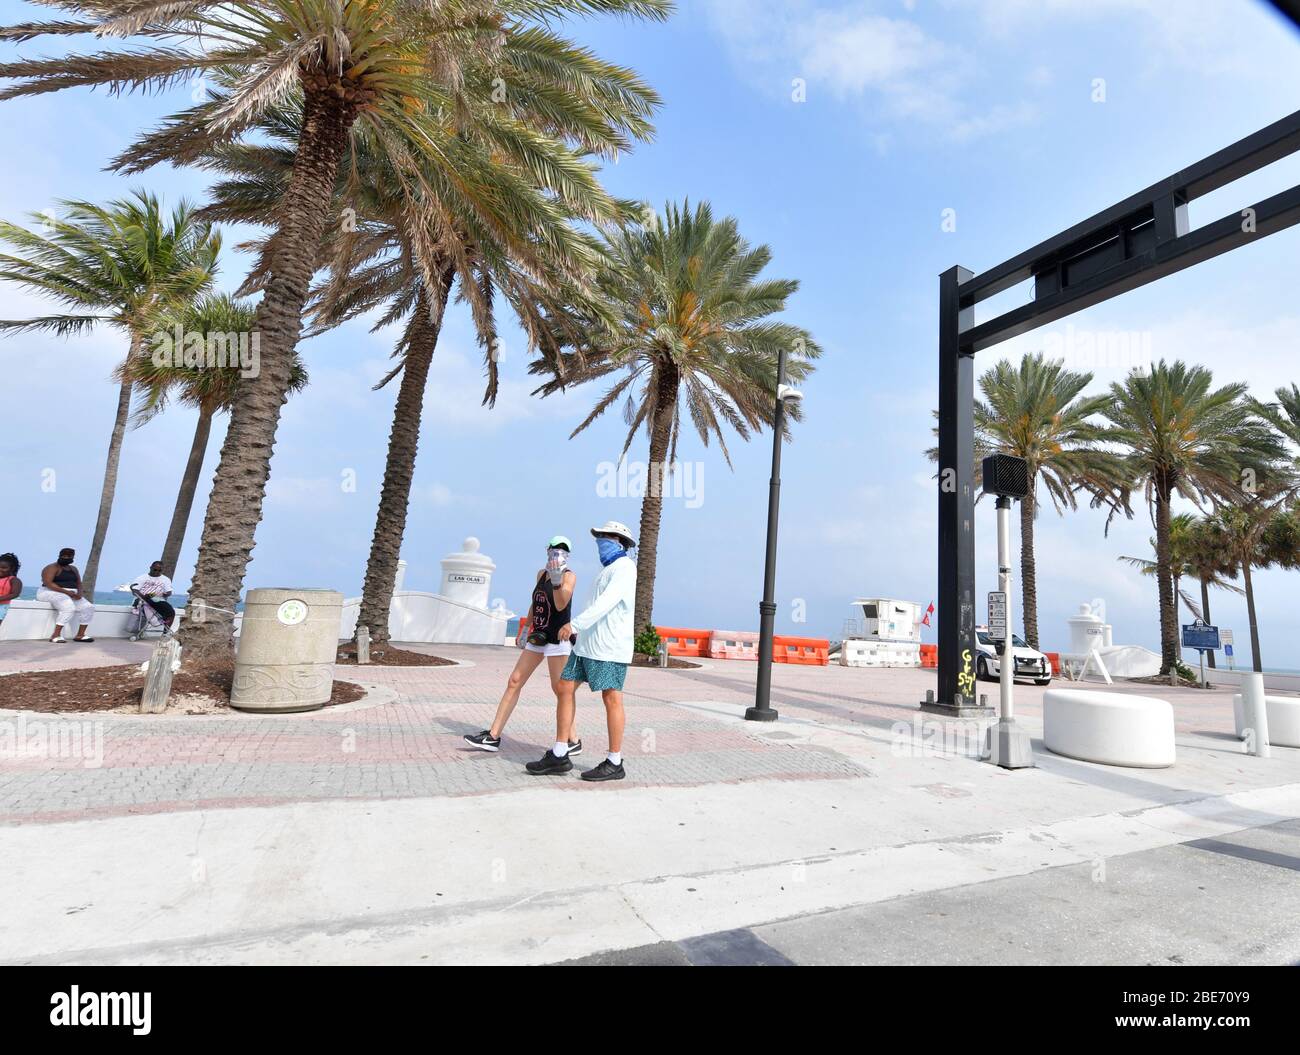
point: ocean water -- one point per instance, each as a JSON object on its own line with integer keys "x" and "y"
{"x": 110, "y": 597}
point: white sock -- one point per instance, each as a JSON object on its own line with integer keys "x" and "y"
{"x": 616, "y": 757}
{"x": 560, "y": 749}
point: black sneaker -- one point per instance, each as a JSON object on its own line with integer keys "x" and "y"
{"x": 605, "y": 771}
{"x": 484, "y": 741}
{"x": 548, "y": 763}
{"x": 575, "y": 747}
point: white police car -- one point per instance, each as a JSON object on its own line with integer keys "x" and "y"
{"x": 1030, "y": 663}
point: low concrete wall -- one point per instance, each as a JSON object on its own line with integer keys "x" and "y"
{"x": 414, "y": 616}
{"x": 34, "y": 621}
{"x": 1232, "y": 679}
{"x": 433, "y": 618}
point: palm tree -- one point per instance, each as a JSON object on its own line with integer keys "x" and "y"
{"x": 692, "y": 326}
{"x": 1183, "y": 436}
{"x": 1035, "y": 411}
{"x": 119, "y": 265}
{"x": 223, "y": 322}
{"x": 1210, "y": 563}
{"x": 1284, "y": 415}
{"x": 1256, "y": 530}
{"x": 1196, "y": 552}
{"x": 1281, "y": 539}
{"x": 377, "y": 265}
{"x": 411, "y": 74}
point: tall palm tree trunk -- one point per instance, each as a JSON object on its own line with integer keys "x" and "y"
{"x": 185, "y": 496}
{"x": 1164, "y": 577}
{"x": 1205, "y": 610}
{"x": 652, "y": 505}
{"x": 1029, "y": 568}
{"x": 239, "y": 485}
{"x": 1256, "y": 664}
{"x": 399, "y": 470}
{"x": 90, "y": 570}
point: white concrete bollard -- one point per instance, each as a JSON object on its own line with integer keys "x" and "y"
{"x": 1255, "y": 708}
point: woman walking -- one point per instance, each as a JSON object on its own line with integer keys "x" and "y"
{"x": 549, "y": 611}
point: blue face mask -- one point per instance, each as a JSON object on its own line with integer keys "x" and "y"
{"x": 610, "y": 551}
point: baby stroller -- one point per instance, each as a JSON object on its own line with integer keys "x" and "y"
{"x": 147, "y": 614}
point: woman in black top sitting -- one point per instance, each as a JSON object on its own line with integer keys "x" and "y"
{"x": 61, "y": 588}
{"x": 548, "y": 610}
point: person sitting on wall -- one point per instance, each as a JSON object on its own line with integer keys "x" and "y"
{"x": 10, "y": 585}
{"x": 61, "y": 588}
{"x": 157, "y": 587}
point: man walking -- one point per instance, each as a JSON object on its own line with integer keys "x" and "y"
{"x": 604, "y": 632}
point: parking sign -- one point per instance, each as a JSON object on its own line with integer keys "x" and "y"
{"x": 997, "y": 615}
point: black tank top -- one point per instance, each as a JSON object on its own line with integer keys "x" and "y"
{"x": 65, "y": 577}
{"x": 545, "y": 617}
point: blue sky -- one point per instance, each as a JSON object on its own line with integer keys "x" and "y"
{"x": 1021, "y": 116}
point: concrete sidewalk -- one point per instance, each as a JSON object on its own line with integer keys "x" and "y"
{"x": 369, "y": 834}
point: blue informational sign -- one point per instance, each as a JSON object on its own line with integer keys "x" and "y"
{"x": 1200, "y": 635}
{"x": 1227, "y": 650}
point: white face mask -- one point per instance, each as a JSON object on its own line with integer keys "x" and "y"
{"x": 557, "y": 560}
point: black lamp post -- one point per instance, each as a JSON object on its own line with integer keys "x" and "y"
{"x": 762, "y": 710}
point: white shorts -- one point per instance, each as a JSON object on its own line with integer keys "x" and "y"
{"x": 562, "y": 649}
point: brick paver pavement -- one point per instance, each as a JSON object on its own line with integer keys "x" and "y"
{"x": 405, "y": 739}
{"x": 408, "y": 743}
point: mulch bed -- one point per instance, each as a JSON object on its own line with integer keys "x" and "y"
{"x": 1162, "y": 680}
{"x": 674, "y": 663}
{"x": 119, "y": 688}
{"x": 393, "y": 657}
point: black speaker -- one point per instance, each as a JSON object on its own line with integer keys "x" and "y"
{"x": 1007, "y": 475}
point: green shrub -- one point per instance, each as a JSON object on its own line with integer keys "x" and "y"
{"x": 646, "y": 643}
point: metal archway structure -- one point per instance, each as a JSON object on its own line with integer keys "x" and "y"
{"x": 1141, "y": 239}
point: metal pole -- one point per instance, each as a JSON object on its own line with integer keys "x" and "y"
{"x": 1007, "y": 744}
{"x": 762, "y": 710}
{"x": 956, "y": 550}
{"x": 1008, "y": 672}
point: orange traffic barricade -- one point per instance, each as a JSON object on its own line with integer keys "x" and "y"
{"x": 1054, "y": 658}
{"x": 684, "y": 642}
{"x": 929, "y": 655}
{"x": 734, "y": 644}
{"x": 806, "y": 651}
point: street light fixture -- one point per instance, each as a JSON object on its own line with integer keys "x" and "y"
{"x": 762, "y": 711}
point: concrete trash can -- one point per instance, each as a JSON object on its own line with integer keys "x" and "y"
{"x": 287, "y": 646}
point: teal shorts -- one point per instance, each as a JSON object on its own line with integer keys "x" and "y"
{"x": 599, "y": 674}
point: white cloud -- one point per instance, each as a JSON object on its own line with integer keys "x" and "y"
{"x": 1208, "y": 37}
{"x": 943, "y": 68}
{"x": 1236, "y": 346}
{"x": 890, "y": 65}
{"x": 439, "y": 495}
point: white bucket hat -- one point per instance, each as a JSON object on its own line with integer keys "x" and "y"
{"x": 613, "y": 527}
